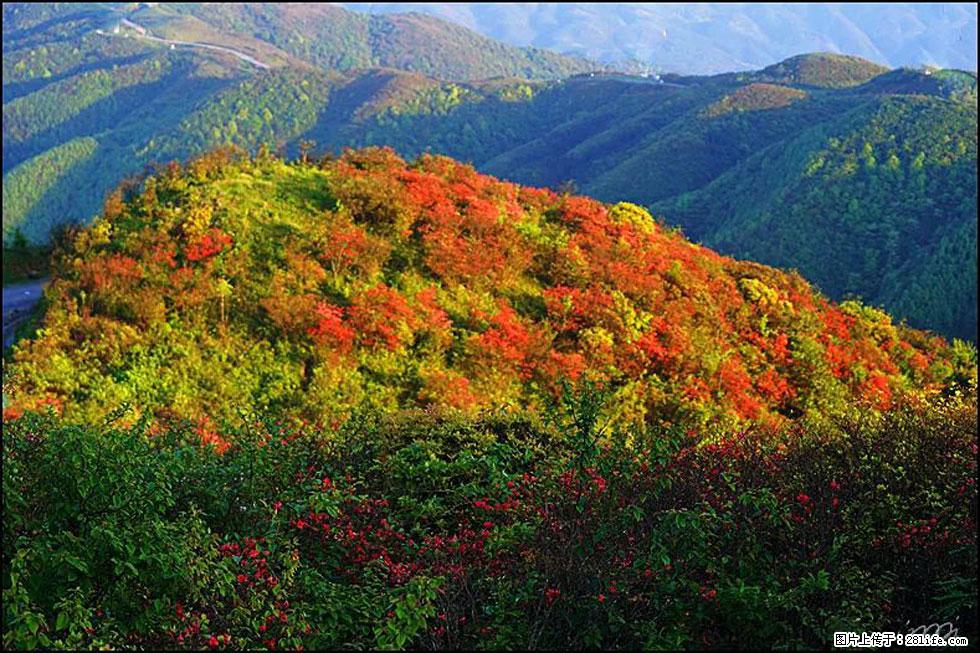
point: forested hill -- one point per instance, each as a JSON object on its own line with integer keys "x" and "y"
{"x": 93, "y": 92}
{"x": 882, "y": 204}
{"x": 365, "y": 282}
{"x": 321, "y": 35}
{"x": 721, "y": 156}
{"x": 710, "y": 38}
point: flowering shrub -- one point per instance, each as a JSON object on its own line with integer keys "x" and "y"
{"x": 513, "y": 532}
{"x": 313, "y": 288}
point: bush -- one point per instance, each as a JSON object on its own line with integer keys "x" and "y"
{"x": 433, "y": 532}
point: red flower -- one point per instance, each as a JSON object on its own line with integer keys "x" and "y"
{"x": 551, "y": 595}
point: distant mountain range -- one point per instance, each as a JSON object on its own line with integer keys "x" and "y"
{"x": 862, "y": 177}
{"x": 707, "y": 38}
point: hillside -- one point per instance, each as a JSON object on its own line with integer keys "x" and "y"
{"x": 331, "y": 37}
{"x": 879, "y": 175}
{"x": 368, "y": 283}
{"x": 320, "y": 35}
{"x": 89, "y": 109}
{"x": 699, "y": 38}
{"x": 694, "y": 142}
{"x": 823, "y": 70}
{"x": 637, "y": 367}
{"x": 92, "y": 93}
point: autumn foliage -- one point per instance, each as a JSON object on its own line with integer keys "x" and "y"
{"x": 366, "y": 281}
{"x": 420, "y": 532}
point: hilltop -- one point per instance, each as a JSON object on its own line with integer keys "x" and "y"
{"x": 823, "y": 70}
{"x": 83, "y": 110}
{"x": 316, "y": 290}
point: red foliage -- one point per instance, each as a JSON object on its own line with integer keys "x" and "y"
{"x": 774, "y": 387}
{"x": 448, "y": 389}
{"x": 508, "y": 342}
{"x": 840, "y": 358}
{"x": 110, "y": 271}
{"x": 377, "y": 315}
{"x": 207, "y": 245}
{"x": 737, "y": 385}
{"x": 837, "y": 323}
{"x": 877, "y": 390}
{"x": 331, "y": 329}
{"x": 598, "y": 293}
{"x": 210, "y": 436}
{"x": 659, "y": 348}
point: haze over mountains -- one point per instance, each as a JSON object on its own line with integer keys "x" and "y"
{"x": 697, "y": 38}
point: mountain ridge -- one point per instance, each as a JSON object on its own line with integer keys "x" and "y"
{"x": 695, "y": 38}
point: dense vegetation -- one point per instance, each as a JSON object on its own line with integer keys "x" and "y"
{"x": 360, "y": 403}
{"x": 319, "y": 401}
{"x": 737, "y": 163}
{"x": 84, "y": 110}
{"x": 333, "y": 38}
{"x": 316, "y": 289}
{"x": 714, "y": 38}
{"x": 879, "y": 175}
{"x": 823, "y": 70}
{"x": 498, "y": 533}
{"x": 88, "y": 100}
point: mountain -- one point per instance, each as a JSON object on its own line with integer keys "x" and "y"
{"x": 698, "y": 38}
{"x": 85, "y": 107}
{"x": 331, "y": 37}
{"x": 276, "y": 397}
{"x": 279, "y": 34}
{"x": 730, "y": 157}
{"x": 878, "y": 175}
{"x": 365, "y": 282}
{"x": 90, "y": 90}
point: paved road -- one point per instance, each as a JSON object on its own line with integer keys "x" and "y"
{"x": 18, "y": 300}
{"x": 141, "y": 32}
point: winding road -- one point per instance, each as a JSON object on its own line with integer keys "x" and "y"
{"x": 18, "y": 300}
{"x": 143, "y": 33}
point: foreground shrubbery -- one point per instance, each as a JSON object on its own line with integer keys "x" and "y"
{"x": 429, "y": 532}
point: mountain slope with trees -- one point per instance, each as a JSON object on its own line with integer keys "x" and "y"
{"x": 317, "y": 290}
{"x": 85, "y": 108}
{"x": 882, "y": 175}
{"x": 698, "y": 38}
